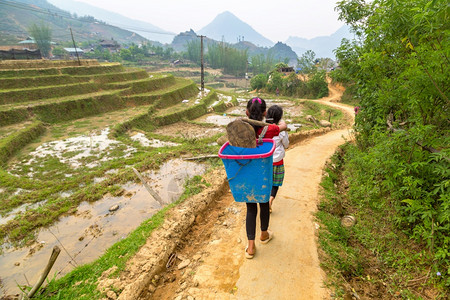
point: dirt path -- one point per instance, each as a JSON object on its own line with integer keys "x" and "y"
{"x": 287, "y": 267}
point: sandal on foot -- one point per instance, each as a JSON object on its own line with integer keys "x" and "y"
{"x": 248, "y": 255}
{"x": 269, "y": 238}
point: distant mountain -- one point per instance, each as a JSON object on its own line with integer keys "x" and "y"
{"x": 282, "y": 51}
{"x": 251, "y": 48}
{"x": 227, "y": 27}
{"x": 323, "y": 46}
{"x": 16, "y": 17}
{"x": 180, "y": 41}
{"x": 148, "y": 31}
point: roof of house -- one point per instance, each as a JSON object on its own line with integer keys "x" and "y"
{"x": 72, "y": 50}
{"x": 28, "y": 41}
{"x": 286, "y": 69}
{"x": 109, "y": 43}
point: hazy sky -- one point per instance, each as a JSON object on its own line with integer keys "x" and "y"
{"x": 276, "y": 19}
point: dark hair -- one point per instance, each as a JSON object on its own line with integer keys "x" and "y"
{"x": 256, "y": 108}
{"x": 274, "y": 114}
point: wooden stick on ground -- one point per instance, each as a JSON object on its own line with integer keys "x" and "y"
{"x": 47, "y": 269}
{"x": 201, "y": 157}
{"x": 149, "y": 189}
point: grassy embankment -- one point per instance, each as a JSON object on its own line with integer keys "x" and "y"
{"x": 374, "y": 258}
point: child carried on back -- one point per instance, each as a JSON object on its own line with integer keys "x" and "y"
{"x": 274, "y": 115}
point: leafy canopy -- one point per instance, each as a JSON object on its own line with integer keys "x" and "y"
{"x": 42, "y": 35}
{"x": 399, "y": 67}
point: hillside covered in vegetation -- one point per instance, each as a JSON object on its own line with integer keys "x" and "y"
{"x": 396, "y": 177}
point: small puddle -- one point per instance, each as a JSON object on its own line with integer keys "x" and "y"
{"x": 293, "y": 127}
{"x": 73, "y": 150}
{"x": 236, "y": 111}
{"x": 93, "y": 229}
{"x": 169, "y": 180}
{"x": 219, "y": 120}
{"x": 141, "y": 138}
{"x": 11, "y": 215}
{"x": 224, "y": 97}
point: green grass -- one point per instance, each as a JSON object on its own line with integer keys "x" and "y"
{"x": 46, "y": 92}
{"x": 27, "y": 82}
{"x": 15, "y": 141}
{"x": 374, "y": 255}
{"x": 320, "y": 112}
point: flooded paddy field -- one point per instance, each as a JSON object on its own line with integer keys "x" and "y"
{"x": 85, "y": 235}
{"x": 73, "y": 157}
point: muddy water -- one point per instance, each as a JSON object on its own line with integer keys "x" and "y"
{"x": 83, "y": 146}
{"x": 219, "y": 120}
{"x": 293, "y": 127}
{"x": 12, "y": 214}
{"x": 144, "y": 141}
{"x": 93, "y": 229}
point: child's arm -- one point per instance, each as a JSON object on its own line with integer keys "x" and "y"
{"x": 285, "y": 140}
{"x": 282, "y": 125}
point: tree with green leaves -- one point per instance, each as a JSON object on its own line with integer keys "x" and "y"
{"x": 262, "y": 64}
{"x": 399, "y": 66}
{"x": 232, "y": 60}
{"x": 275, "y": 81}
{"x": 280, "y": 65}
{"x": 306, "y": 63}
{"x": 258, "y": 82}
{"x": 193, "y": 51}
{"x": 42, "y": 35}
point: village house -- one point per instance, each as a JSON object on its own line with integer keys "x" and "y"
{"x": 111, "y": 45}
{"x": 73, "y": 52}
{"x": 286, "y": 70}
{"x": 26, "y": 49}
{"x": 28, "y": 43}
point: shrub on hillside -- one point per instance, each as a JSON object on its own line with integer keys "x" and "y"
{"x": 258, "y": 82}
{"x": 401, "y": 76}
{"x": 275, "y": 81}
{"x": 317, "y": 85}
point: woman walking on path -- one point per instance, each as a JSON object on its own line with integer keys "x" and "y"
{"x": 256, "y": 110}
